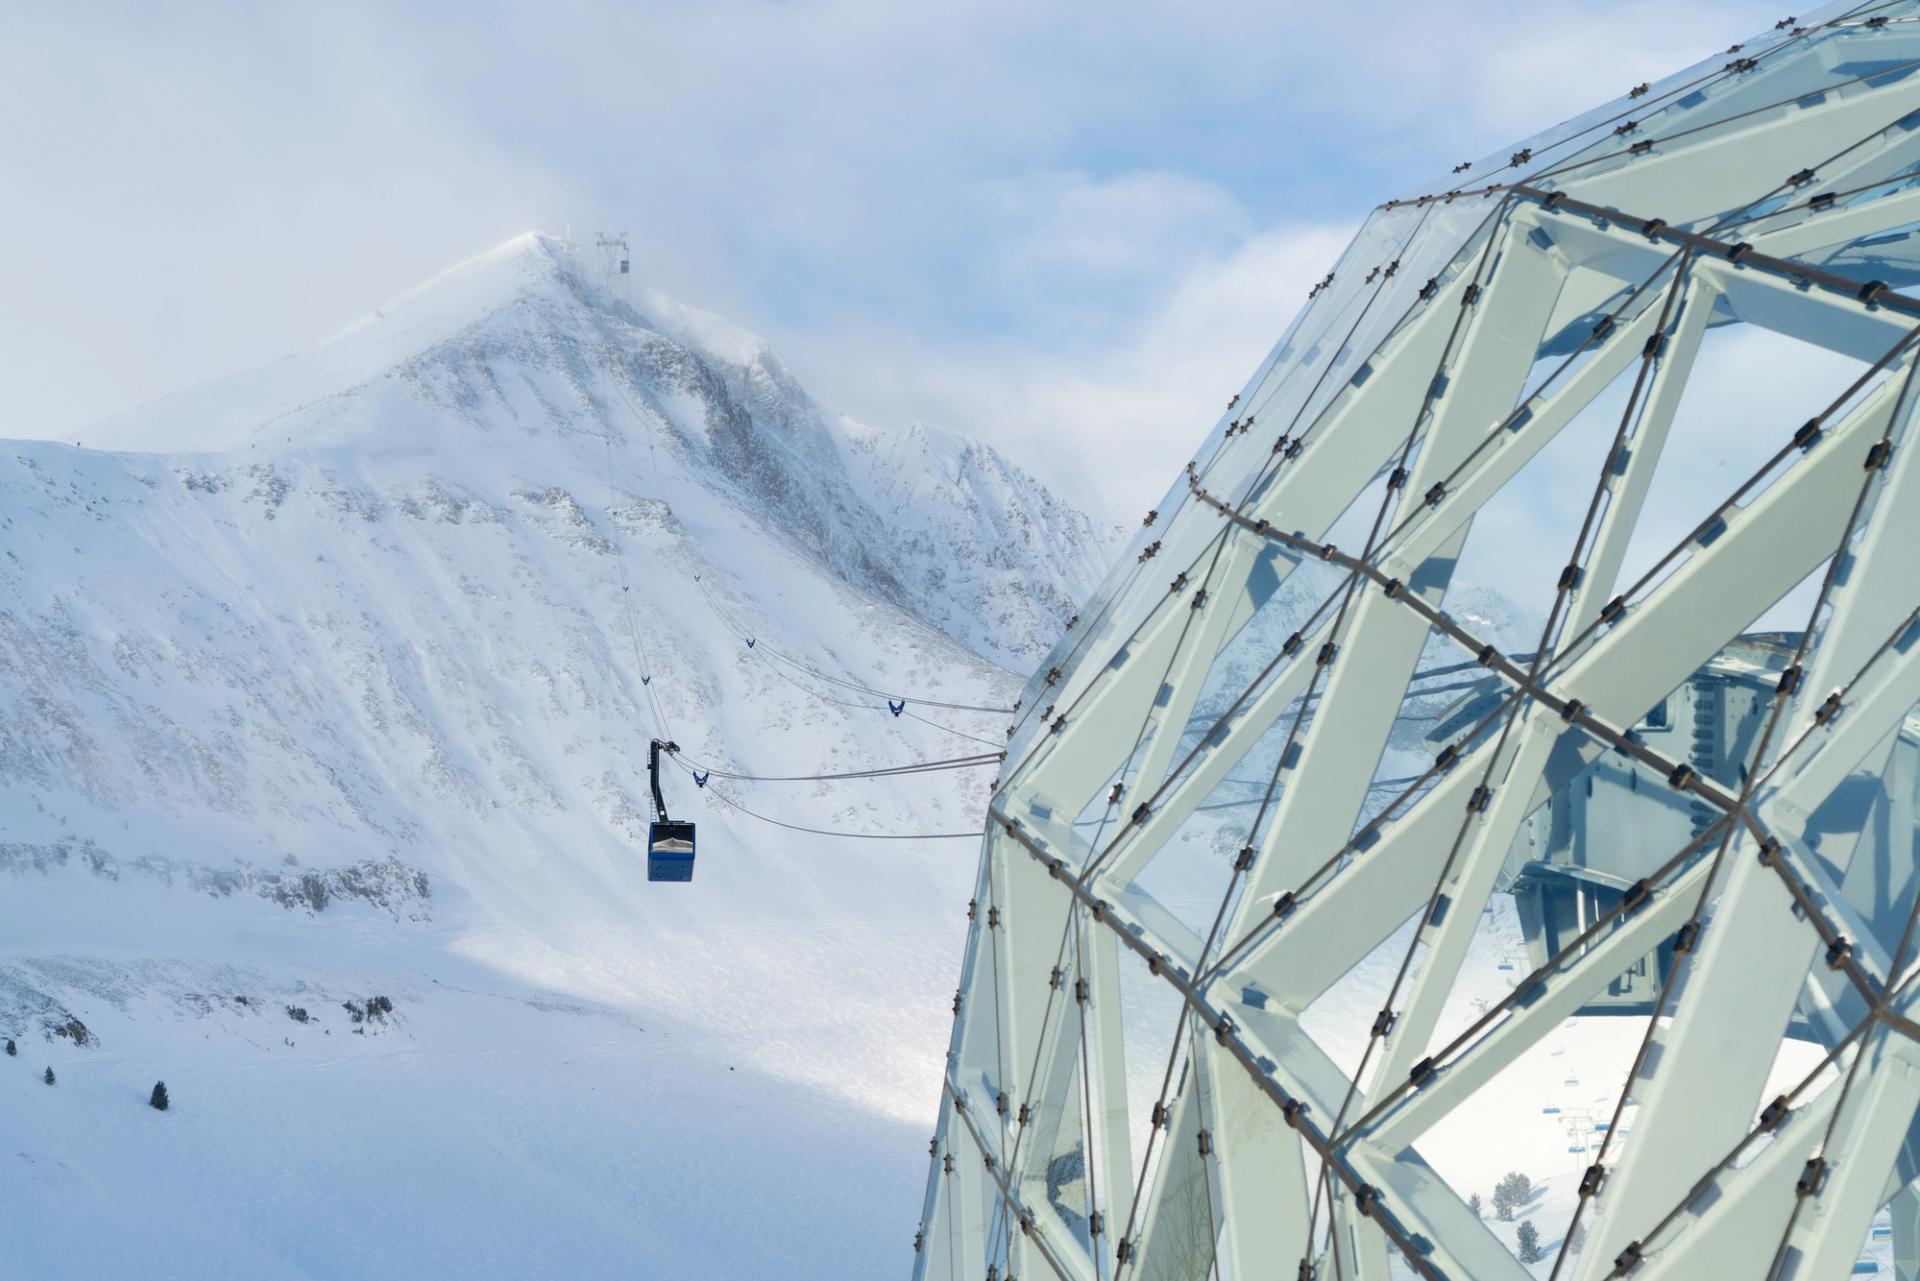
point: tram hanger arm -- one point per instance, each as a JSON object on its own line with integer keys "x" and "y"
{"x": 653, "y": 775}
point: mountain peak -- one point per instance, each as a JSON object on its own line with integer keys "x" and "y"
{"x": 470, "y": 289}
{"x": 249, "y": 409}
{"x": 526, "y": 367}
{"x": 243, "y": 410}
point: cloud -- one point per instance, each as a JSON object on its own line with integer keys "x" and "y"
{"x": 1109, "y": 427}
{"x": 1071, "y": 228}
{"x": 184, "y": 201}
{"x": 1123, "y": 227}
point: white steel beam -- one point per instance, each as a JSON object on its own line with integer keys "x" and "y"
{"x": 1766, "y": 188}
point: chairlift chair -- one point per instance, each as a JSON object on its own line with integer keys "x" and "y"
{"x": 669, "y": 843}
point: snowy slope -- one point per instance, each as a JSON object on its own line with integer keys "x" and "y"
{"x": 978, "y": 524}
{"x": 523, "y": 344}
{"x": 317, "y": 684}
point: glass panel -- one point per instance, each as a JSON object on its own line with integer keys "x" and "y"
{"x": 1185, "y": 1224}
{"x": 978, "y": 1068}
{"x": 1055, "y": 1174}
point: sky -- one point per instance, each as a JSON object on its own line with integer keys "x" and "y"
{"x": 1072, "y": 229}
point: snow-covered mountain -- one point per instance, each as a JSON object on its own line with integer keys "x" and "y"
{"x": 334, "y": 681}
{"x": 325, "y": 694}
{"x": 523, "y": 350}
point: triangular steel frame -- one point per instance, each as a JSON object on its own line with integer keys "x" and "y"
{"x": 1461, "y": 333}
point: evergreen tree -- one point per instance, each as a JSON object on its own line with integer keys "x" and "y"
{"x": 11, "y": 1051}
{"x": 48, "y": 1078}
{"x": 1473, "y": 1203}
{"x": 158, "y": 1099}
{"x": 1511, "y": 1193}
{"x": 1529, "y": 1240}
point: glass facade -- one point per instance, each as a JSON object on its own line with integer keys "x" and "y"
{"x": 1496, "y": 754}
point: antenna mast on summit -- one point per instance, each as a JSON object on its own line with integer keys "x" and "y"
{"x": 611, "y": 259}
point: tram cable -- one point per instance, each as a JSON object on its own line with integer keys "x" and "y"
{"x": 731, "y": 803}
{"x": 664, "y": 737}
{"x": 762, "y": 647}
{"x": 891, "y": 771}
{"x": 898, "y": 703}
